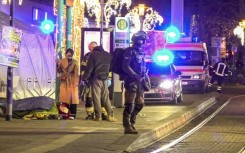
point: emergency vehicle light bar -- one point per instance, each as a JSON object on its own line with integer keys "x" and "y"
{"x": 163, "y": 57}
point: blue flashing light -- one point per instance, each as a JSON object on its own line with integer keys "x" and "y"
{"x": 172, "y": 34}
{"x": 163, "y": 57}
{"x": 47, "y": 26}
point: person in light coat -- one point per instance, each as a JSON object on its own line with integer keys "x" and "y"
{"x": 68, "y": 97}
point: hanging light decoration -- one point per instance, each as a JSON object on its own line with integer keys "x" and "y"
{"x": 113, "y": 7}
{"x": 6, "y": 2}
{"x": 94, "y": 9}
{"x": 150, "y": 19}
{"x": 134, "y": 19}
{"x": 85, "y": 23}
{"x": 77, "y": 24}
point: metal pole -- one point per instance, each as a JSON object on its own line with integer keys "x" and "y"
{"x": 243, "y": 58}
{"x": 59, "y": 42}
{"x": 9, "y": 93}
{"x": 141, "y": 23}
{"x": 68, "y": 26}
{"x": 60, "y": 26}
{"x": 101, "y": 22}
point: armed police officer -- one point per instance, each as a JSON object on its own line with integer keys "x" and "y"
{"x": 86, "y": 89}
{"x": 220, "y": 70}
{"x": 136, "y": 81}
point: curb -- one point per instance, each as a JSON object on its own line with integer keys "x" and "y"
{"x": 148, "y": 138}
{"x": 242, "y": 150}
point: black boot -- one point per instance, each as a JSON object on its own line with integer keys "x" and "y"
{"x": 104, "y": 117}
{"x": 126, "y": 118}
{"x": 137, "y": 109}
{"x": 104, "y": 114}
{"x": 129, "y": 130}
{"x": 89, "y": 108}
{"x": 90, "y": 116}
{"x": 219, "y": 91}
{"x": 126, "y": 115}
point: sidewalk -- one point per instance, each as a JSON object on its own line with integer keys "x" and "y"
{"x": 80, "y": 135}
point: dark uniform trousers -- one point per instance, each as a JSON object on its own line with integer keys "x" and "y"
{"x": 101, "y": 97}
{"x": 134, "y": 102}
{"x": 219, "y": 80}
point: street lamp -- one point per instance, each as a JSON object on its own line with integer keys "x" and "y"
{"x": 242, "y": 24}
{"x": 141, "y": 11}
{"x": 238, "y": 31}
{"x": 141, "y": 8}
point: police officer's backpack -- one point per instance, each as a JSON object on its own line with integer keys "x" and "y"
{"x": 117, "y": 61}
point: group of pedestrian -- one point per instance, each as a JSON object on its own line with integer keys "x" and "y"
{"x": 94, "y": 74}
{"x": 95, "y": 68}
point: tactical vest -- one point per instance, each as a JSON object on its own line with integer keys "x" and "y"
{"x": 138, "y": 62}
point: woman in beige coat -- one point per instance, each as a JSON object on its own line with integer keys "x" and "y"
{"x": 68, "y": 68}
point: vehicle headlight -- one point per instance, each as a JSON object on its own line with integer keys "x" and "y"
{"x": 166, "y": 84}
{"x": 197, "y": 76}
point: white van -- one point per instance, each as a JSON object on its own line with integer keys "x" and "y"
{"x": 192, "y": 60}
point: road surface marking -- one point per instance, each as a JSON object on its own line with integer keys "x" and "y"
{"x": 242, "y": 150}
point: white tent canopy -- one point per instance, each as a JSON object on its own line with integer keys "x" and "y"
{"x": 35, "y": 75}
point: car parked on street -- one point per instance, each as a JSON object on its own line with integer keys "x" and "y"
{"x": 166, "y": 85}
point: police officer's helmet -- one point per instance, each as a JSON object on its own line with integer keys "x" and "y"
{"x": 140, "y": 35}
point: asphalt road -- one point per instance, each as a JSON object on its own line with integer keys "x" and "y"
{"x": 223, "y": 133}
